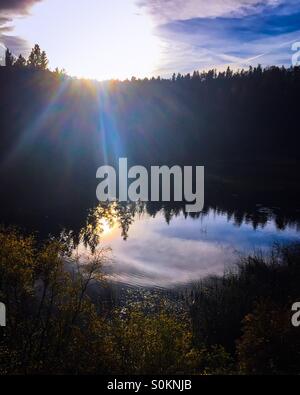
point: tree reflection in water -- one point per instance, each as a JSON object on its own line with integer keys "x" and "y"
{"x": 106, "y": 216}
{"x": 101, "y": 220}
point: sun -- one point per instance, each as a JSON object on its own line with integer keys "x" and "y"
{"x": 95, "y": 38}
{"x": 106, "y": 227}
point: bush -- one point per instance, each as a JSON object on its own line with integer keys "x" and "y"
{"x": 269, "y": 344}
{"x": 52, "y": 325}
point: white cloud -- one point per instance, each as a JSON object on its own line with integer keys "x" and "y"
{"x": 170, "y": 10}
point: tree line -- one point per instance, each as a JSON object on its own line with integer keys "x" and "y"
{"x": 37, "y": 59}
{"x": 241, "y": 125}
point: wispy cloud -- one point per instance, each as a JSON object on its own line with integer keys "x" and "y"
{"x": 201, "y": 34}
{"x": 170, "y": 10}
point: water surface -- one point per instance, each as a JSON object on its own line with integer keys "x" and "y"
{"x": 161, "y": 254}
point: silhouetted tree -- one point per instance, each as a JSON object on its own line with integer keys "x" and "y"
{"x": 20, "y": 62}
{"x": 38, "y": 59}
{"x": 44, "y": 61}
{"x": 60, "y": 72}
{"x": 34, "y": 59}
{"x": 196, "y": 75}
{"x": 229, "y": 73}
{"x": 9, "y": 58}
{"x": 179, "y": 77}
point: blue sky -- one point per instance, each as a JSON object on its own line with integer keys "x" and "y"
{"x": 121, "y": 38}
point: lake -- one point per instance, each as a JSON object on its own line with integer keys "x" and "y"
{"x": 168, "y": 248}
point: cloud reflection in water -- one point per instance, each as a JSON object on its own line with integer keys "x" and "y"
{"x": 161, "y": 255}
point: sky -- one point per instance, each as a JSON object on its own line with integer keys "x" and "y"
{"x": 120, "y": 38}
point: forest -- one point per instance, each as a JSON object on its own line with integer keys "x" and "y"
{"x": 242, "y": 126}
{"x": 66, "y": 317}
